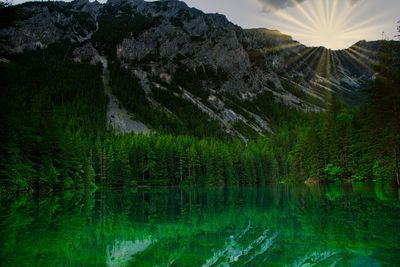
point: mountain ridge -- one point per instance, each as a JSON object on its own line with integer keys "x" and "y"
{"x": 201, "y": 59}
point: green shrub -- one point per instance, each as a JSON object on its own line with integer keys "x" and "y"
{"x": 333, "y": 173}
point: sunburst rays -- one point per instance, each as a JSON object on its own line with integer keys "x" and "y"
{"x": 327, "y": 26}
{"x": 334, "y": 24}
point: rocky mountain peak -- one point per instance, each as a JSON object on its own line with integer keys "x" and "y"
{"x": 205, "y": 57}
{"x": 133, "y": 3}
{"x": 86, "y": 6}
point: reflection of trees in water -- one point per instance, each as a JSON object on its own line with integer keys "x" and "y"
{"x": 192, "y": 225}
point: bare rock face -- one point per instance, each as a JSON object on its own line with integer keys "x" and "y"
{"x": 37, "y": 31}
{"x": 218, "y": 48}
{"x": 42, "y": 23}
{"x": 86, "y": 52}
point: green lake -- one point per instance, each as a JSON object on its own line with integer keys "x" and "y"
{"x": 276, "y": 225}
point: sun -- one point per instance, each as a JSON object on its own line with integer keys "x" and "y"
{"x": 326, "y": 35}
{"x": 334, "y": 24}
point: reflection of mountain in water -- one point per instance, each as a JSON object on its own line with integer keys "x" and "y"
{"x": 121, "y": 252}
{"x": 266, "y": 226}
{"x": 236, "y": 248}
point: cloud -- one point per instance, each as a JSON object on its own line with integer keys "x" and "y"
{"x": 353, "y": 2}
{"x": 274, "y": 5}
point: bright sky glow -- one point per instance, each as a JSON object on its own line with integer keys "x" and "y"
{"x": 335, "y": 24}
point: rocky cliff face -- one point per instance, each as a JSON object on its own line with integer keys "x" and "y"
{"x": 202, "y": 58}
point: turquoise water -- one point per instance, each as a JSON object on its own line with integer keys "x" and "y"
{"x": 277, "y": 225}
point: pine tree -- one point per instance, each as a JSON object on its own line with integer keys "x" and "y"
{"x": 384, "y": 110}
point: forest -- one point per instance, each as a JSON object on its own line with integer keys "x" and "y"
{"x": 54, "y": 137}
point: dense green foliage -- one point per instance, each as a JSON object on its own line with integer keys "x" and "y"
{"x": 53, "y": 132}
{"x": 361, "y": 143}
{"x": 54, "y": 135}
{"x": 172, "y": 160}
{"x": 49, "y": 110}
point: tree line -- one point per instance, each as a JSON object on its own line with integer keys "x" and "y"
{"x": 360, "y": 143}
{"x": 53, "y": 136}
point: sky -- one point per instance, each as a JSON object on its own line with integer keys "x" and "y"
{"x": 335, "y": 24}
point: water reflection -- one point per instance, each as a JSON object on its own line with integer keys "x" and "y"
{"x": 121, "y": 252}
{"x": 233, "y": 251}
{"x": 338, "y": 225}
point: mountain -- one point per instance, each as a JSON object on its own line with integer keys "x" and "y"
{"x": 185, "y": 67}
